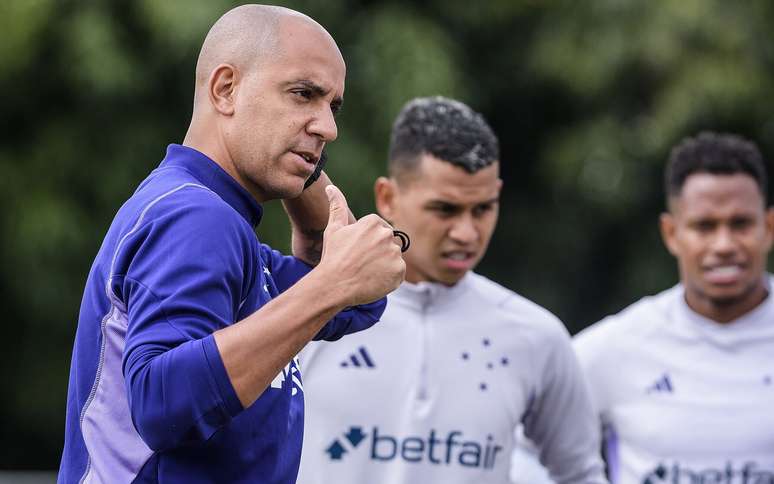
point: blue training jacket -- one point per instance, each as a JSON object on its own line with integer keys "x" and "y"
{"x": 149, "y": 399}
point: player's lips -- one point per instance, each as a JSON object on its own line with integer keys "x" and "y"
{"x": 306, "y": 161}
{"x": 458, "y": 259}
{"x": 723, "y": 274}
{"x": 308, "y": 156}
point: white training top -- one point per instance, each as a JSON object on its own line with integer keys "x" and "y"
{"x": 433, "y": 392}
{"x": 683, "y": 399}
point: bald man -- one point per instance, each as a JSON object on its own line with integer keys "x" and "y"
{"x": 183, "y": 367}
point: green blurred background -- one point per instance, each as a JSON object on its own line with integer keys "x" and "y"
{"x": 587, "y": 98}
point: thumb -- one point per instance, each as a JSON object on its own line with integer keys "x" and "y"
{"x": 339, "y": 211}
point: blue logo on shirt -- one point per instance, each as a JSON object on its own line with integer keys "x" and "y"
{"x": 292, "y": 373}
{"x": 360, "y": 359}
{"x": 435, "y": 448}
{"x": 484, "y": 356}
{"x": 679, "y": 474}
{"x": 662, "y": 385}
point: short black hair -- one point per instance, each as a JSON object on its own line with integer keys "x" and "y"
{"x": 717, "y": 154}
{"x": 444, "y": 128}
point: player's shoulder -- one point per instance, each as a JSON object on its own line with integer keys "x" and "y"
{"x": 174, "y": 186}
{"x": 173, "y": 209}
{"x": 174, "y": 193}
{"x": 515, "y": 309}
{"x": 632, "y": 325}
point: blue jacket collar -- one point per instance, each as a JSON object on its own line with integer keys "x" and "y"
{"x": 211, "y": 175}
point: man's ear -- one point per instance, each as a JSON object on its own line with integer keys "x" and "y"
{"x": 769, "y": 227}
{"x": 667, "y": 225}
{"x": 221, "y": 88}
{"x": 384, "y": 195}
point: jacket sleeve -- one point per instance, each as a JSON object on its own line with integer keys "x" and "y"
{"x": 287, "y": 270}
{"x": 560, "y": 420}
{"x": 180, "y": 277}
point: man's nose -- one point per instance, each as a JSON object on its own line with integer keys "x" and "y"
{"x": 464, "y": 230}
{"x": 324, "y": 125}
{"x": 723, "y": 240}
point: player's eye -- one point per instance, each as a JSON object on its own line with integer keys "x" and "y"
{"x": 483, "y": 209}
{"x": 304, "y": 93}
{"x": 741, "y": 223}
{"x": 704, "y": 226}
{"x": 444, "y": 209}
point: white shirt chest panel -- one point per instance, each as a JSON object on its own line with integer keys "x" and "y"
{"x": 467, "y": 388}
{"x": 694, "y": 413}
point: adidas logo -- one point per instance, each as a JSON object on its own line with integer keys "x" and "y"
{"x": 359, "y": 359}
{"x": 663, "y": 384}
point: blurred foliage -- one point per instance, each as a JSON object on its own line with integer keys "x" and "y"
{"x": 587, "y": 98}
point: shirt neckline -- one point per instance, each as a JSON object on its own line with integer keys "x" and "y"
{"x": 423, "y": 294}
{"x": 750, "y": 323}
{"x": 214, "y": 177}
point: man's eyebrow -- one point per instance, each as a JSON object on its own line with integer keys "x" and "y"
{"x": 320, "y": 91}
{"x": 438, "y": 201}
{"x": 317, "y": 89}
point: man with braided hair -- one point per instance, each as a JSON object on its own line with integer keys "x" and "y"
{"x": 434, "y": 392}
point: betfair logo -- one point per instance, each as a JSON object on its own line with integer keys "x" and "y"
{"x": 449, "y": 449}
{"x": 337, "y": 450}
{"x": 679, "y": 474}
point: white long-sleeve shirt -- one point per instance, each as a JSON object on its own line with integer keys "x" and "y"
{"x": 433, "y": 392}
{"x": 684, "y": 399}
